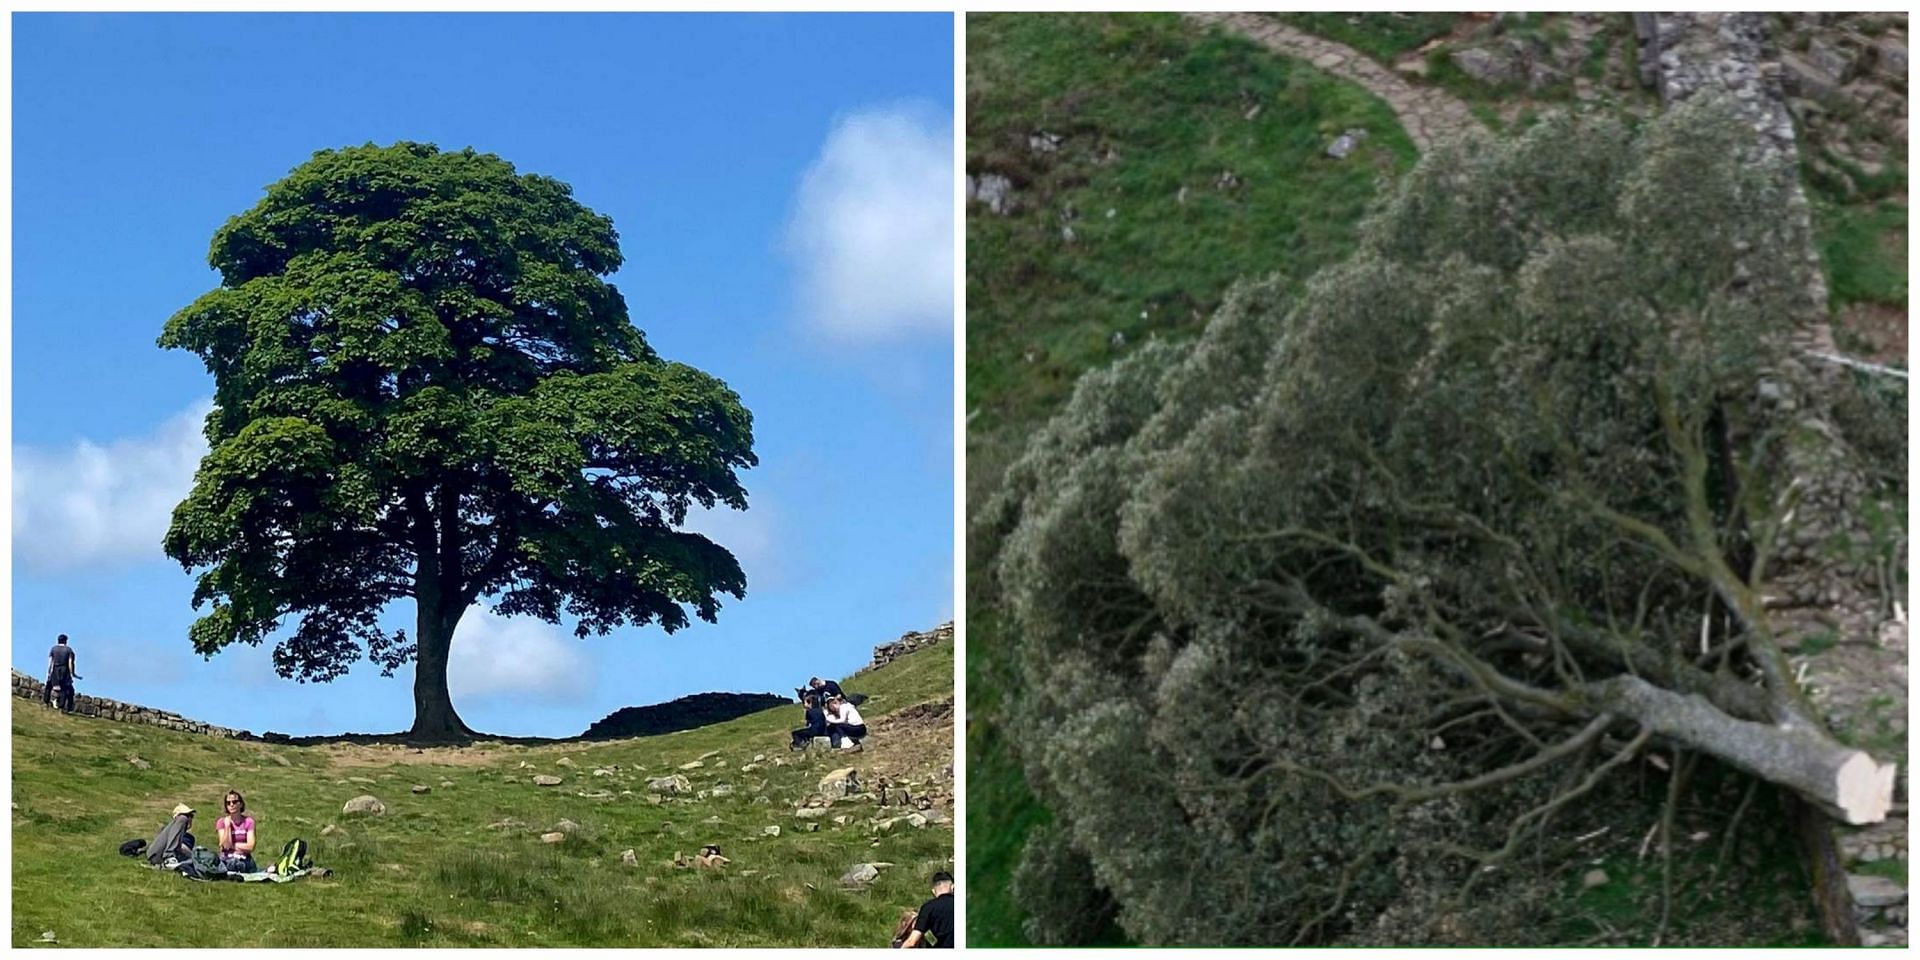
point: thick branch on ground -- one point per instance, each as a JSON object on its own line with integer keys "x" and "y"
{"x": 1846, "y": 782}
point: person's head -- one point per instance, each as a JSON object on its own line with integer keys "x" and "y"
{"x": 235, "y": 803}
{"x": 60, "y": 639}
{"x": 182, "y": 810}
{"x": 836, "y": 702}
{"x": 816, "y": 683}
{"x": 942, "y": 883}
{"x": 812, "y": 701}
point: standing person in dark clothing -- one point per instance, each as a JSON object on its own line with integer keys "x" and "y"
{"x": 816, "y": 724}
{"x": 936, "y": 916}
{"x": 60, "y": 673}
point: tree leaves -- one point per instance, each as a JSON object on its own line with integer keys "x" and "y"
{"x": 425, "y": 387}
{"x": 1297, "y": 553}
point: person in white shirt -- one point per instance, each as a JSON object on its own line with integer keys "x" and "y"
{"x": 844, "y": 723}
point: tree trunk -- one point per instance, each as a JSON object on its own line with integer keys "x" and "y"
{"x": 1831, "y": 898}
{"x": 1846, "y": 783}
{"x": 434, "y": 718}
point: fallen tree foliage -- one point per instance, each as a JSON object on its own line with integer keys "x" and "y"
{"x": 1353, "y": 598}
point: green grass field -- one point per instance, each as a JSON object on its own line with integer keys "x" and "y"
{"x": 1151, "y": 113}
{"x": 464, "y": 865}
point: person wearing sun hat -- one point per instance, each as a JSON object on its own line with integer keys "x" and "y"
{"x": 173, "y": 841}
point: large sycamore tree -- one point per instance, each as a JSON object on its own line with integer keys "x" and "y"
{"x": 425, "y": 388}
{"x": 1349, "y": 612}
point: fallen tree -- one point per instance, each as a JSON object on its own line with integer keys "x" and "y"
{"x": 1365, "y": 589}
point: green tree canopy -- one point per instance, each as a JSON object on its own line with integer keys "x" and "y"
{"x": 425, "y": 387}
{"x": 1340, "y": 614}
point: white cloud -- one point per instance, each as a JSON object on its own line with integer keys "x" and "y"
{"x": 95, "y": 505}
{"x": 872, "y": 228}
{"x": 496, "y": 656}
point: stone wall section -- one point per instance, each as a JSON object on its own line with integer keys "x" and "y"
{"x": 1810, "y": 591}
{"x": 28, "y": 688}
{"x": 908, "y": 643}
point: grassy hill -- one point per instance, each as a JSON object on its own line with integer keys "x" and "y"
{"x": 1186, "y": 160}
{"x": 464, "y": 864}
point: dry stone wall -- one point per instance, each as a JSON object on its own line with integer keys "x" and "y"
{"x": 27, "y": 688}
{"x": 909, "y": 642}
{"x": 1811, "y": 591}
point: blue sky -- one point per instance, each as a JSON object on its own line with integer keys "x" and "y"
{"x": 783, "y": 190}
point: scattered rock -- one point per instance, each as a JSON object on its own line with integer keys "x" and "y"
{"x": 1893, "y": 57}
{"x": 596, "y": 794}
{"x": 861, "y": 875}
{"x": 138, "y": 764}
{"x": 770, "y": 831}
{"x": 693, "y": 765}
{"x": 567, "y": 826}
{"x": 546, "y": 780}
{"x": 602, "y": 772}
{"x": 1487, "y": 66}
{"x": 759, "y": 758}
{"x": 554, "y": 837}
{"x": 1594, "y": 878}
{"x": 445, "y": 784}
{"x": 368, "y": 780}
{"x": 994, "y": 190}
{"x": 364, "y": 804}
{"x": 810, "y": 813}
{"x": 1874, "y": 892}
{"x": 564, "y": 762}
{"x": 721, "y": 790}
{"x": 1345, "y": 143}
{"x": 422, "y": 788}
{"x": 627, "y": 857}
{"x": 843, "y": 782}
{"x": 329, "y": 830}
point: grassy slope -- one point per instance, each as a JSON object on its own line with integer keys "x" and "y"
{"x": 1171, "y": 105}
{"x": 431, "y": 872}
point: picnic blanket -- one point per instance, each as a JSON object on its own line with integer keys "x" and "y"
{"x": 268, "y": 876}
{"x": 185, "y": 869}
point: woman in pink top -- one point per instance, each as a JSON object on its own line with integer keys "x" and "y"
{"x": 236, "y": 835}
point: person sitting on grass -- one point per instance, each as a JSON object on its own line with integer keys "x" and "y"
{"x": 237, "y": 836}
{"x": 816, "y": 724}
{"x": 936, "y": 916}
{"x": 844, "y": 723}
{"x": 174, "y": 842}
